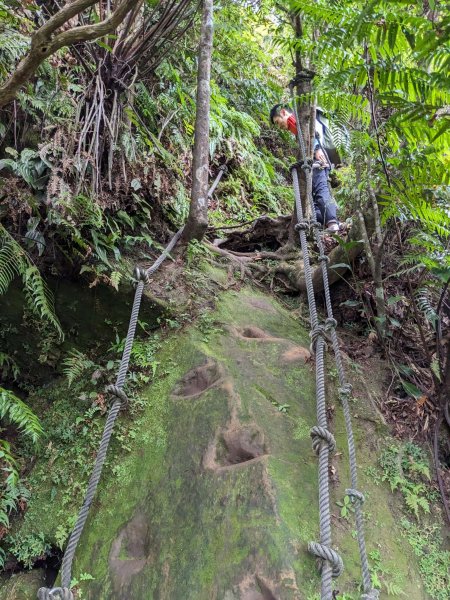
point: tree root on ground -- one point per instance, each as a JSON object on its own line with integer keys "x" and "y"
{"x": 283, "y": 266}
{"x": 265, "y": 231}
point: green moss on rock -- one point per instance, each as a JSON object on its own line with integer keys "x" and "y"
{"x": 217, "y": 497}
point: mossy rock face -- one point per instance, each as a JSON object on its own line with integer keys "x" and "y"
{"x": 218, "y": 496}
{"x": 22, "y": 586}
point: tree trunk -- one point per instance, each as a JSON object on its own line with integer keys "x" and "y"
{"x": 198, "y": 214}
{"x": 305, "y": 124}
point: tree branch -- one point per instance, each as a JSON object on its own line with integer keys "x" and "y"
{"x": 43, "y": 45}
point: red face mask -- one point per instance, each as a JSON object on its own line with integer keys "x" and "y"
{"x": 292, "y": 124}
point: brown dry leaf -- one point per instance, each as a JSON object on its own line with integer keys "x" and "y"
{"x": 372, "y": 337}
{"x": 421, "y": 401}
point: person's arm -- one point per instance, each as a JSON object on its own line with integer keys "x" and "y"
{"x": 319, "y": 153}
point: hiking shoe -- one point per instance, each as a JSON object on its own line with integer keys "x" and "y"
{"x": 333, "y": 227}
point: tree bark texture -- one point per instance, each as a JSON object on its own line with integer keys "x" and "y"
{"x": 45, "y": 41}
{"x": 198, "y": 214}
{"x": 306, "y": 123}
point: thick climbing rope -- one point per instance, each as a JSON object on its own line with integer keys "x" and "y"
{"x": 119, "y": 401}
{"x": 323, "y": 440}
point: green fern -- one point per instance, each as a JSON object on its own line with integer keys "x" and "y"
{"x": 8, "y": 487}
{"x": 8, "y": 366}
{"x": 28, "y": 165}
{"x": 75, "y": 364}
{"x": 12, "y": 262}
{"x": 13, "y": 46}
{"x": 423, "y": 303}
{"x": 19, "y": 414}
{"x": 15, "y": 261}
{"x": 414, "y": 501}
{"x": 40, "y": 298}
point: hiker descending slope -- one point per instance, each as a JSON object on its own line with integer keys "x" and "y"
{"x": 282, "y": 116}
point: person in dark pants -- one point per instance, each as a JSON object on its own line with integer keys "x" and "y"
{"x": 326, "y": 209}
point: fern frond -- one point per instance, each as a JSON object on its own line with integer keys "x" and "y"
{"x": 432, "y": 217}
{"x": 39, "y": 297}
{"x": 19, "y": 414}
{"x": 424, "y": 304}
{"x": 11, "y": 263}
{"x": 76, "y": 363}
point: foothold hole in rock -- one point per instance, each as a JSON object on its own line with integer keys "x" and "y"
{"x": 258, "y": 591}
{"x": 266, "y": 592}
{"x": 254, "y": 333}
{"x": 198, "y": 380}
{"x": 240, "y": 446}
{"x": 130, "y": 552}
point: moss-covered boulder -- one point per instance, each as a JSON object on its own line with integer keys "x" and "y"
{"x": 22, "y": 586}
{"x": 217, "y": 495}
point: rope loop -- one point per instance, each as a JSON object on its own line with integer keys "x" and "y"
{"x": 355, "y": 495}
{"x": 372, "y": 595}
{"x": 328, "y": 554}
{"x": 345, "y": 391}
{"x": 295, "y": 166}
{"x": 141, "y": 275}
{"x": 321, "y": 435}
{"x": 307, "y": 165}
{"x": 118, "y": 394}
{"x": 324, "y": 258}
{"x": 55, "y": 594}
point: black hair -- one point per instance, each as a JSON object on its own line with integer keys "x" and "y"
{"x": 275, "y": 111}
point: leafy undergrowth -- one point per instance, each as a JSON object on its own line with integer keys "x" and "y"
{"x": 405, "y": 467}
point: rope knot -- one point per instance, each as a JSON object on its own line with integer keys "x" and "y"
{"x": 118, "y": 394}
{"x": 325, "y": 553}
{"x": 345, "y": 390}
{"x": 330, "y": 324}
{"x": 321, "y": 435}
{"x": 317, "y": 331}
{"x": 324, "y": 258}
{"x": 303, "y": 75}
{"x": 141, "y": 275}
{"x": 302, "y": 225}
{"x": 55, "y": 594}
{"x": 306, "y": 225}
{"x": 355, "y": 495}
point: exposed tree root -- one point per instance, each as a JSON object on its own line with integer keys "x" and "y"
{"x": 264, "y": 232}
{"x": 285, "y": 268}
{"x": 239, "y": 261}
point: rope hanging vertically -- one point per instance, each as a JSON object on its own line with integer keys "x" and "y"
{"x": 323, "y": 441}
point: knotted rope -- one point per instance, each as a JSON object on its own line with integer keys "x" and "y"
{"x": 119, "y": 400}
{"x": 323, "y": 441}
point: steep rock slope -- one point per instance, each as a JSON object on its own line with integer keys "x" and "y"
{"x": 217, "y": 498}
